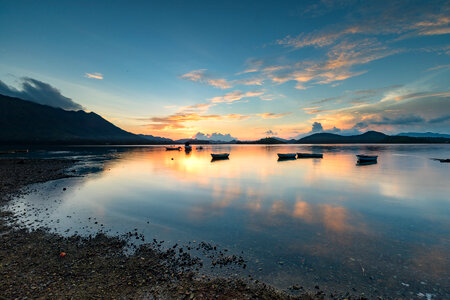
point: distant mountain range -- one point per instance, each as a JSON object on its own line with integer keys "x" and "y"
{"x": 370, "y": 137}
{"x": 155, "y": 138}
{"x": 264, "y": 141}
{"x": 25, "y": 122}
{"x": 424, "y": 134}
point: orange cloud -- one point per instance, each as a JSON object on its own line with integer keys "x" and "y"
{"x": 202, "y": 77}
{"x": 219, "y": 83}
{"x": 234, "y": 96}
{"x": 94, "y": 75}
{"x": 178, "y": 120}
{"x": 272, "y": 115}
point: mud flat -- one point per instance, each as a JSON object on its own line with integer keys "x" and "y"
{"x": 40, "y": 264}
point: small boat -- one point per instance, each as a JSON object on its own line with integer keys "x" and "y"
{"x": 187, "y": 147}
{"x": 309, "y": 155}
{"x": 173, "y": 148}
{"x": 220, "y": 155}
{"x": 367, "y": 158}
{"x": 287, "y": 155}
{"x": 199, "y": 148}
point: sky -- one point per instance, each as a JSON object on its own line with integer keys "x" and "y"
{"x": 245, "y": 69}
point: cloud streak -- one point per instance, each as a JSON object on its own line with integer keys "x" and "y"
{"x": 401, "y": 109}
{"x": 235, "y": 96}
{"x": 202, "y": 76}
{"x": 273, "y": 115}
{"x": 94, "y": 75}
{"x": 179, "y": 120}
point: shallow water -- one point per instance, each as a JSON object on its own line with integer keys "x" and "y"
{"x": 383, "y": 229}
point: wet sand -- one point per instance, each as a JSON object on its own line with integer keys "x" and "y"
{"x": 39, "y": 264}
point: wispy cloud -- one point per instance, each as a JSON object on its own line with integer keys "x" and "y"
{"x": 202, "y": 76}
{"x": 199, "y": 107}
{"x": 310, "y": 108}
{"x": 273, "y": 115}
{"x": 179, "y": 120}
{"x": 235, "y": 96}
{"x": 398, "y": 96}
{"x": 358, "y": 96}
{"x": 251, "y": 70}
{"x": 335, "y": 66}
{"x": 250, "y": 81}
{"x": 439, "y": 67}
{"x": 315, "y": 39}
{"x": 399, "y": 109}
{"x": 359, "y": 41}
{"x": 94, "y": 75}
{"x": 313, "y": 110}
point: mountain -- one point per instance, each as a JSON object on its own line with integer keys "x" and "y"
{"x": 332, "y": 138}
{"x": 280, "y": 139}
{"x": 25, "y": 122}
{"x": 265, "y": 141}
{"x": 370, "y": 137}
{"x": 156, "y": 139}
{"x": 425, "y": 134}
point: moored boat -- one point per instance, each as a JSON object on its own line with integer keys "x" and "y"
{"x": 287, "y": 155}
{"x": 309, "y": 155}
{"x": 367, "y": 158}
{"x": 172, "y": 148}
{"x": 220, "y": 155}
{"x": 187, "y": 147}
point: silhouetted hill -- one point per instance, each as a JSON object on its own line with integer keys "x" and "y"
{"x": 269, "y": 140}
{"x": 370, "y": 137}
{"x": 193, "y": 141}
{"x": 156, "y": 139}
{"x": 25, "y": 122}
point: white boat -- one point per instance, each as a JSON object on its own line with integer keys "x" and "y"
{"x": 309, "y": 155}
{"x": 367, "y": 158}
{"x": 287, "y": 155}
{"x": 220, "y": 155}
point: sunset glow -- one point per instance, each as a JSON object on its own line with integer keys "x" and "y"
{"x": 176, "y": 70}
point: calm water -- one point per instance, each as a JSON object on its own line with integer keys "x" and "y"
{"x": 382, "y": 228}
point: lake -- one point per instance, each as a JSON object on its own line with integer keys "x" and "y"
{"x": 382, "y": 228}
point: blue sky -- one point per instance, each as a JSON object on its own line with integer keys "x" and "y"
{"x": 245, "y": 68}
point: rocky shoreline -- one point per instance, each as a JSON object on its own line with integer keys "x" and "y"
{"x": 39, "y": 264}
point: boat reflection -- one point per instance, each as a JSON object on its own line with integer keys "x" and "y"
{"x": 366, "y": 163}
{"x": 286, "y": 159}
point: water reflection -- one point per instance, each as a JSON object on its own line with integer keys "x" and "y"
{"x": 326, "y": 219}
